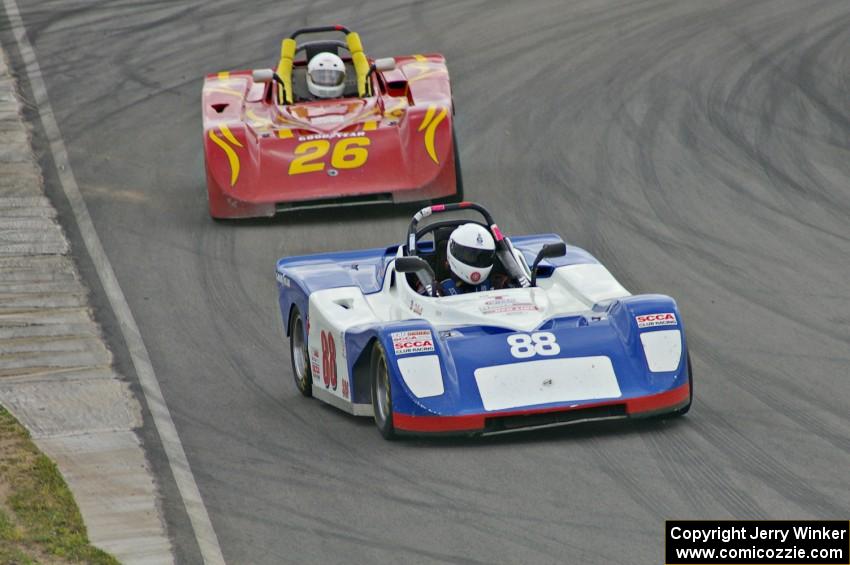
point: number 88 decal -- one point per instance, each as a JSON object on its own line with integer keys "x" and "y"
{"x": 328, "y": 360}
{"x": 538, "y": 343}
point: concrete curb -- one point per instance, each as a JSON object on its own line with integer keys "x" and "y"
{"x": 56, "y": 373}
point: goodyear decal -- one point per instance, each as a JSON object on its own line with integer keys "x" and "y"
{"x": 429, "y": 125}
{"x": 232, "y": 157}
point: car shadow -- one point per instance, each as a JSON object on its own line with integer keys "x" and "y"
{"x": 346, "y": 214}
{"x": 573, "y": 433}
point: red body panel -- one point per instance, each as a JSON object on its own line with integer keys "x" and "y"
{"x": 635, "y": 407}
{"x": 261, "y": 156}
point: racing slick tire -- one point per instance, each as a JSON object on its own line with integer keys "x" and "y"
{"x": 382, "y": 398}
{"x": 299, "y": 355}
{"x": 457, "y": 196}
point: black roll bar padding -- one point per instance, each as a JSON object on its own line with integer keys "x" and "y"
{"x": 503, "y": 246}
{"x": 439, "y": 209}
{"x": 319, "y": 29}
{"x": 319, "y": 42}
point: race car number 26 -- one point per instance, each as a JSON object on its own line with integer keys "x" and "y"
{"x": 348, "y": 153}
{"x": 529, "y": 345}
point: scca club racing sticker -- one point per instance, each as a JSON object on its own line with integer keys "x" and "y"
{"x": 412, "y": 341}
{"x": 655, "y": 320}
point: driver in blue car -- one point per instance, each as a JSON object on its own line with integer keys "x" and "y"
{"x": 471, "y": 251}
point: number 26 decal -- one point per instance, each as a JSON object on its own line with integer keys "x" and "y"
{"x": 348, "y": 153}
{"x": 538, "y": 343}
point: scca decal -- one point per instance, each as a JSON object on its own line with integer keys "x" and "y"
{"x": 654, "y": 320}
{"x": 413, "y": 341}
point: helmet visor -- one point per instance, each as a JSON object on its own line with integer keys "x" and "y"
{"x": 327, "y": 77}
{"x": 480, "y": 258}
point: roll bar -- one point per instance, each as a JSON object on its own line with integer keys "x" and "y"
{"x": 503, "y": 244}
{"x": 319, "y": 29}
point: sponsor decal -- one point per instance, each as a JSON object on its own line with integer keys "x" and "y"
{"x": 538, "y": 343}
{"x": 415, "y": 308}
{"x": 506, "y": 305}
{"x": 655, "y": 320}
{"x": 412, "y": 341}
{"x": 336, "y": 135}
{"x": 475, "y": 276}
{"x": 345, "y": 391}
{"x": 315, "y": 364}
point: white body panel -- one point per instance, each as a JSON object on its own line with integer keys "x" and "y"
{"x": 663, "y": 349}
{"x": 331, "y": 312}
{"x": 572, "y": 289}
{"x": 550, "y": 380}
{"x": 422, "y": 375}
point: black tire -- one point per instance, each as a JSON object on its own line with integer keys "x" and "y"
{"x": 299, "y": 355}
{"x": 458, "y": 195}
{"x": 382, "y": 398}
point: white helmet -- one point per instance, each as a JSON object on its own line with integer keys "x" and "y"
{"x": 326, "y": 76}
{"x": 471, "y": 250}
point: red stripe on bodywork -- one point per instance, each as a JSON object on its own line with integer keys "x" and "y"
{"x": 497, "y": 233}
{"x": 659, "y": 401}
{"x": 474, "y": 422}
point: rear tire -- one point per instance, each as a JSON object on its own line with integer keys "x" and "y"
{"x": 458, "y": 195}
{"x": 382, "y": 398}
{"x": 298, "y": 354}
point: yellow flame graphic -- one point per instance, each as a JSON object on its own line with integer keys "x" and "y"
{"x": 429, "y": 124}
{"x": 232, "y": 157}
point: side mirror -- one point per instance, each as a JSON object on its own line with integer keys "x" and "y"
{"x": 263, "y": 75}
{"x": 385, "y": 64}
{"x": 421, "y": 268}
{"x": 549, "y": 251}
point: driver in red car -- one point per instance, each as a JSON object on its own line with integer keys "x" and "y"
{"x": 326, "y": 76}
{"x": 471, "y": 251}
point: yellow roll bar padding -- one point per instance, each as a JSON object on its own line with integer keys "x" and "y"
{"x": 361, "y": 64}
{"x": 284, "y": 68}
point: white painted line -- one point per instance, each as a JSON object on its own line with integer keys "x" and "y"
{"x": 198, "y": 516}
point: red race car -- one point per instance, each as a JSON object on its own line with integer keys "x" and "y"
{"x": 333, "y": 128}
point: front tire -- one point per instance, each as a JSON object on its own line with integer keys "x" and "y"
{"x": 382, "y": 398}
{"x": 298, "y": 354}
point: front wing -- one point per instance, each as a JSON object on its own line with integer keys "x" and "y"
{"x": 484, "y": 380}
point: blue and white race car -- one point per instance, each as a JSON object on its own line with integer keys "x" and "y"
{"x": 563, "y": 342}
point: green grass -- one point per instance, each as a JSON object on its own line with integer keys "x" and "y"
{"x": 42, "y": 517}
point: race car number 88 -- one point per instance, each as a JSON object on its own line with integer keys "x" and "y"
{"x": 328, "y": 360}
{"x": 538, "y": 343}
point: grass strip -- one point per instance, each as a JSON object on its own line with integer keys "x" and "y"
{"x": 39, "y": 519}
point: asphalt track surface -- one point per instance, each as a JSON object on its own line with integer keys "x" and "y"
{"x": 699, "y": 149}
